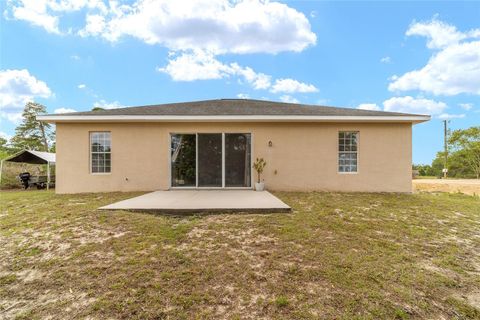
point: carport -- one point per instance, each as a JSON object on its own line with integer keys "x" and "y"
{"x": 31, "y": 157}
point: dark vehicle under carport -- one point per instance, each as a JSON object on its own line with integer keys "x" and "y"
{"x": 33, "y": 157}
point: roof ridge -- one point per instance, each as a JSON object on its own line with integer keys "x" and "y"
{"x": 235, "y": 106}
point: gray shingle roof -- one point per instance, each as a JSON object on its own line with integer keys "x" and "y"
{"x": 233, "y": 107}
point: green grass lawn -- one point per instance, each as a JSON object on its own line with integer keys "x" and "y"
{"x": 337, "y": 256}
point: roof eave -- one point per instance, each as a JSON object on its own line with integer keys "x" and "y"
{"x": 227, "y": 118}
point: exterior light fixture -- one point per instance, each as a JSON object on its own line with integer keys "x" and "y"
{"x": 270, "y": 143}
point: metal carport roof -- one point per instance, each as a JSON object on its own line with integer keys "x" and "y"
{"x": 33, "y": 157}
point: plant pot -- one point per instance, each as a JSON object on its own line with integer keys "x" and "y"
{"x": 259, "y": 186}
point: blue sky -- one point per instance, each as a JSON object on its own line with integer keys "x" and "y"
{"x": 419, "y": 57}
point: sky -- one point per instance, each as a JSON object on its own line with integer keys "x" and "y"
{"x": 415, "y": 57}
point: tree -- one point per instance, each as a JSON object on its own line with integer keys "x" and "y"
{"x": 425, "y": 170}
{"x": 31, "y": 133}
{"x": 4, "y": 150}
{"x": 438, "y": 163}
{"x": 458, "y": 166}
{"x": 466, "y": 145}
{"x": 3, "y": 143}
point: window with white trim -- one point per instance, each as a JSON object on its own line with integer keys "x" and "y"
{"x": 347, "y": 151}
{"x": 100, "y": 152}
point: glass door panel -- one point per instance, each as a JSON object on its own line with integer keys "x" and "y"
{"x": 209, "y": 160}
{"x": 183, "y": 158}
{"x": 237, "y": 160}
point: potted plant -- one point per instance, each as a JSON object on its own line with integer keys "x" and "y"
{"x": 259, "y": 165}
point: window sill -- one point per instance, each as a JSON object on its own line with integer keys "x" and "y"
{"x": 100, "y": 173}
{"x": 347, "y": 172}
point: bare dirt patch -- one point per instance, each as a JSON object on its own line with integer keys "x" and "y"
{"x": 466, "y": 186}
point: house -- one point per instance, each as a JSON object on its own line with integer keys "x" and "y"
{"x": 212, "y": 144}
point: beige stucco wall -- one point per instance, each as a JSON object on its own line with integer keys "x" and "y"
{"x": 304, "y": 155}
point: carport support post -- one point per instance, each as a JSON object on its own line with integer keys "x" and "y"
{"x": 48, "y": 175}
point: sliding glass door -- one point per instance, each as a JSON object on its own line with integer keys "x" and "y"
{"x": 211, "y": 160}
{"x": 237, "y": 160}
{"x": 183, "y": 160}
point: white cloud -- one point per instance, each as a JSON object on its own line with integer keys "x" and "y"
{"x": 17, "y": 87}
{"x": 74, "y": 5}
{"x": 36, "y": 12}
{"x": 369, "y": 106}
{"x": 81, "y": 86}
{"x": 14, "y": 117}
{"x": 64, "y": 110}
{"x": 199, "y": 65}
{"x": 453, "y": 69}
{"x": 108, "y": 105}
{"x": 219, "y": 26}
{"x": 243, "y": 96}
{"x": 386, "y": 59}
{"x": 257, "y": 80}
{"x": 447, "y": 116}
{"x": 288, "y": 99}
{"x": 292, "y": 86}
{"x": 466, "y": 106}
{"x": 439, "y": 34}
{"x": 75, "y": 57}
{"x": 46, "y": 13}
{"x": 5, "y": 135}
{"x": 409, "y": 104}
{"x": 95, "y": 25}
{"x": 195, "y": 31}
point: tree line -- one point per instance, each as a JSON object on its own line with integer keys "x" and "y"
{"x": 463, "y": 156}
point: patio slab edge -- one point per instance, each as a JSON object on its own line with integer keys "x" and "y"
{"x": 203, "y": 211}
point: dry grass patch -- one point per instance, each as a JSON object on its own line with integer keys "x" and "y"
{"x": 466, "y": 186}
{"x": 342, "y": 256}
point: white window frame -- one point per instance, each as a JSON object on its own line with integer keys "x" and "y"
{"x": 355, "y": 152}
{"x": 90, "y": 152}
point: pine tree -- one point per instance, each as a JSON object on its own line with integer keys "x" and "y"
{"x": 31, "y": 133}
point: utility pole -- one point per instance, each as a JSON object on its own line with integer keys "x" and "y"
{"x": 445, "y": 132}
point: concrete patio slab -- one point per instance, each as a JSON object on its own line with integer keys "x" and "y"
{"x": 202, "y": 201}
